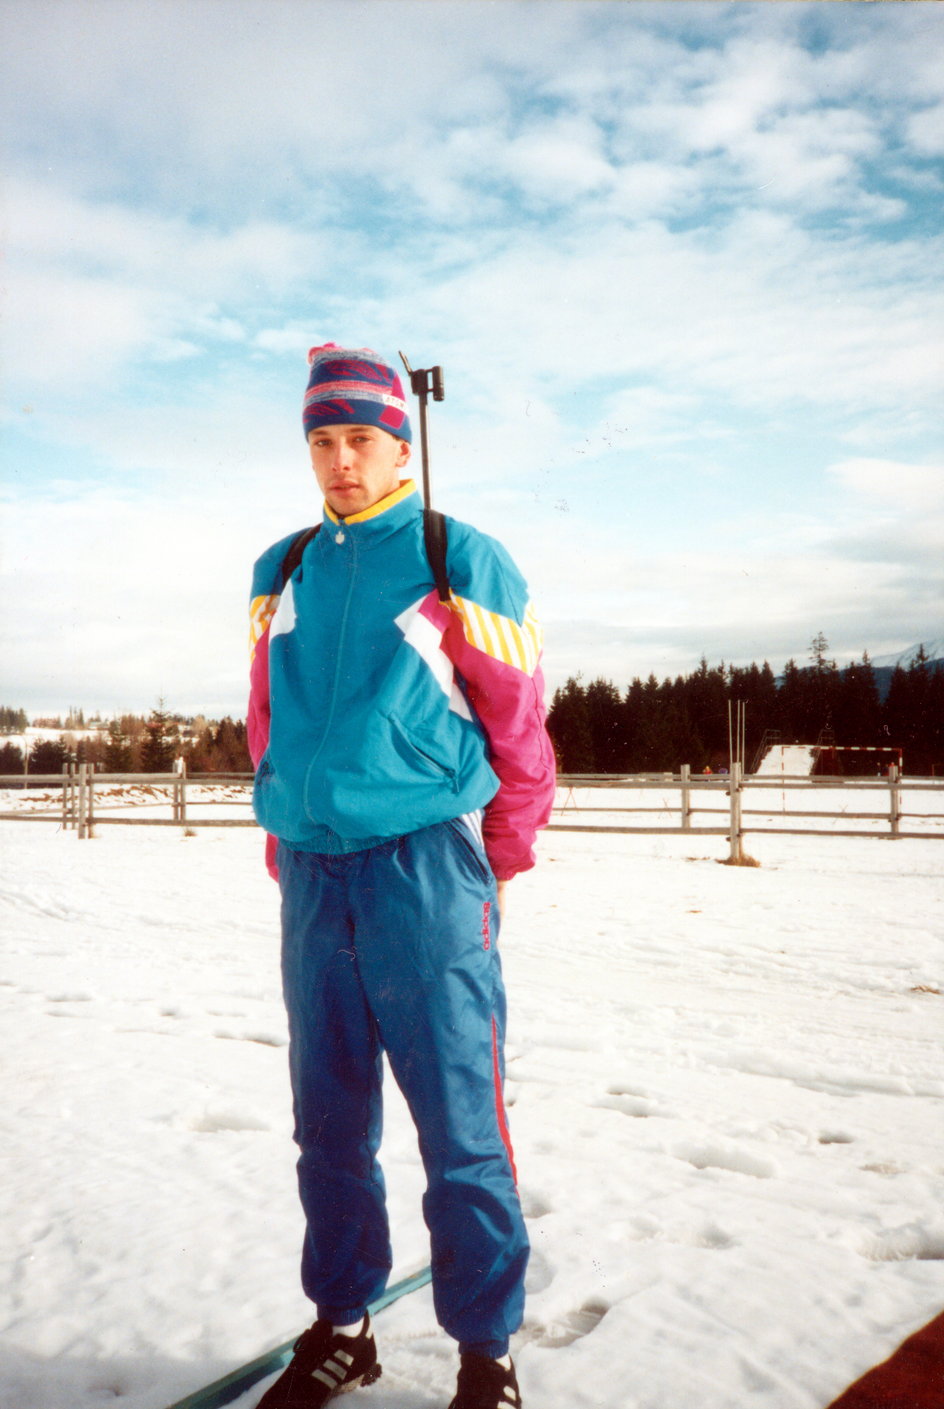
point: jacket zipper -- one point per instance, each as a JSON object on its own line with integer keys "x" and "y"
{"x": 342, "y": 633}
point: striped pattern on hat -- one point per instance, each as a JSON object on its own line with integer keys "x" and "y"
{"x": 353, "y": 387}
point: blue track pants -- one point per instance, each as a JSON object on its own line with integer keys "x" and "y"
{"x": 393, "y": 949}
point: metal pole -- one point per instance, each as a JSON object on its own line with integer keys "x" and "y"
{"x": 423, "y": 381}
{"x": 742, "y": 750}
{"x": 686, "y": 797}
{"x": 424, "y": 444}
{"x": 80, "y": 821}
{"x": 894, "y": 812}
{"x": 736, "y": 853}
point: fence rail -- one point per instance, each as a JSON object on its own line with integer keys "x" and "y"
{"x": 740, "y": 819}
{"x": 83, "y": 805}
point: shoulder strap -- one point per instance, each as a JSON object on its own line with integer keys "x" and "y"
{"x": 295, "y": 550}
{"x": 434, "y": 533}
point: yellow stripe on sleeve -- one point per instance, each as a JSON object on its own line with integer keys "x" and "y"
{"x": 261, "y": 612}
{"x": 500, "y": 636}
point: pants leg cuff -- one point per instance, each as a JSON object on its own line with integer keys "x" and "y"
{"x": 492, "y": 1350}
{"x": 341, "y": 1315}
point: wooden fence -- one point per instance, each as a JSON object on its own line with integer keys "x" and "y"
{"x": 85, "y": 803}
{"x": 732, "y": 790}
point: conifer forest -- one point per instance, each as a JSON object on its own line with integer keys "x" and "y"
{"x": 656, "y": 727}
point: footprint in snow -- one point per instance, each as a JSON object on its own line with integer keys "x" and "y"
{"x": 728, "y": 1158}
{"x": 540, "y": 1275}
{"x": 572, "y": 1327}
{"x": 213, "y": 1122}
{"x": 913, "y": 1242}
{"x": 638, "y": 1107}
{"x": 264, "y": 1039}
{"x": 534, "y": 1205}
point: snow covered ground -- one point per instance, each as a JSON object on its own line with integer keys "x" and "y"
{"x": 725, "y": 1091}
{"x": 785, "y": 760}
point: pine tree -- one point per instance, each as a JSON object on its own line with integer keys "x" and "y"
{"x": 200, "y": 754}
{"x": 705, "y": 696}
{"x": 913, "y": 714}
{"x": 47, "y": 756}
{"x": 858, "y": 715}
{"x": 605, "y": 717}
{"x": 160, "y": 743}
{"x": 568, "y": 723}
{"x": 232, "y": 755}
{"x": 11, "y": 759}
{"x": 118, "y": 756}
{"x": 790, "y": 700}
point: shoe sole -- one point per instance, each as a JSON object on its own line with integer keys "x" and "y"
{"x": 368, "y": 1378}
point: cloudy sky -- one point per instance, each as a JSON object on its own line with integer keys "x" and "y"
{"x": 681, "y": 263}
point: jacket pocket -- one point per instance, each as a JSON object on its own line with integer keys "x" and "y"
{"x": 424, "y": 752}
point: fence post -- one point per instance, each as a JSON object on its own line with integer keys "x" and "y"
{"x": 89, "y": 798}
{"x": 736, "y": 854}
{"x": 66, "y": 796}
{"x": 686, "y": 774}
{"x": 894, "y": 810}
{"x": 80, "y": 820}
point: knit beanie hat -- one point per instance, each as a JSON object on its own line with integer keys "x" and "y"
{"x": 352, "y": 386}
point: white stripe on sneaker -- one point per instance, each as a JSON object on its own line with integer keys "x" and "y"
{"x": 330, "y": 1380}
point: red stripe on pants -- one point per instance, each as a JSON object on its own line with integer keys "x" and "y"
{"x": 500, "y": 1104}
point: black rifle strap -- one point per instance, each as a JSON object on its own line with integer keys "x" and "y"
{"x": 295, "y": 550}
{"x": 434, "y": 534}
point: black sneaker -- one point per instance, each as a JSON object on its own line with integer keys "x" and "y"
{"x": 485, "y": 1384}
{"x": 324, "y": 1365}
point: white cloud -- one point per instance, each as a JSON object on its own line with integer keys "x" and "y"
{"x": 94, "y": 288}
{"x": 557, "y": 161}
{"x": 908, "y": 488}
{"x": 759, "y": 315}
{"x": 925, "y": 130}
{"x": 133, "y": 595}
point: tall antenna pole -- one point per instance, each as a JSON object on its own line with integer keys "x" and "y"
{"x": 423, "y": 382}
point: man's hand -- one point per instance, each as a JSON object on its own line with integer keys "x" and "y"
{"x": 502, "y": 885}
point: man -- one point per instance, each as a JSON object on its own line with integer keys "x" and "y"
{"x": 402, "y": 771}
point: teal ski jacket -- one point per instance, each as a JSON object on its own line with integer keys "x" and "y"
{"x": 376, "y": 710}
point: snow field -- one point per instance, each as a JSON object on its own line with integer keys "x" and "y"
{"x": 724, "y": 1088}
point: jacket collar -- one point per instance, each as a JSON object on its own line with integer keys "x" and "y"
{"x": 387, "y": 513}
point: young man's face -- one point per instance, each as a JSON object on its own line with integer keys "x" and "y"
{"x": 356, "y": 466}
